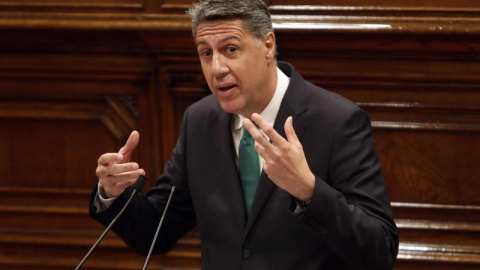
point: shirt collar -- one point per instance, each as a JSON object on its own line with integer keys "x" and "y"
{"x": 270, "y": 112}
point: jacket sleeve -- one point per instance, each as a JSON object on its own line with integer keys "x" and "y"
{"x": 138, "y": 224}
{"x": 351, "y": 209}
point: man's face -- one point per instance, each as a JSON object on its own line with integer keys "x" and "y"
{"x": 239, "y": 68}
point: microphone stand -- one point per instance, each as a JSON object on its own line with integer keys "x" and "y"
{"x": 137, "y": 186}
{"x": 158, "y": 230}
{"x": 177, "y": 179}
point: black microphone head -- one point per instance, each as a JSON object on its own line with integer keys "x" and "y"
{"x": 177, "y": 178}
{"x": 141, "y": 181}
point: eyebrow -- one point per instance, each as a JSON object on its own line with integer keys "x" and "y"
{"x": 202, "y": 42}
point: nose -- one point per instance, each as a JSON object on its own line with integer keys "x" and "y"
{"x": 219, "y": 65}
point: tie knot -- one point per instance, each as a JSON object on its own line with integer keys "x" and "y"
{"x": 246, "y": 134}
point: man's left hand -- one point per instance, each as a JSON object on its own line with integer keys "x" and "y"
{"x": 284, "y": 159}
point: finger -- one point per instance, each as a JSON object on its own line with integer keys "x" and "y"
{"x": 275, "y": 138}
{"x": 121, "y": 178}
{"x": 290, "y": 132}
{"x": 260, "y": 150}
{"x": 117, "y": 188}
{"x": 121, "y": 168}
{"x": 109, "y": 158}
{"x": 130, "y": 145}
{"x": 255, "y": 132}
{"x": 134, "y": 178}
{"x": 262, "y": 145}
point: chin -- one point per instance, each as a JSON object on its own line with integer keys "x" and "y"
{"x": 230, "y": 108}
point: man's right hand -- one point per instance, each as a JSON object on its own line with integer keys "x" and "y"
{"x": 115, "y": 171}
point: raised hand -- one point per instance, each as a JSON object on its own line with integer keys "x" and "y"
{"x": 285, "y": 162}
{"x": 115, "y": 171}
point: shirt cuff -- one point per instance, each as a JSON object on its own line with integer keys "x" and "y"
{"x": 298, "y": 207}
{"x": 100, "y": 201}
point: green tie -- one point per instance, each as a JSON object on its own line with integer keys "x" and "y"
{"x": 249, "y": 168}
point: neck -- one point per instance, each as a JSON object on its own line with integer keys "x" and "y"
{"x": 264, "y": 100}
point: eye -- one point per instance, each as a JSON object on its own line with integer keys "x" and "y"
{"x": 231, "y": 49}
{"x": 206, "y": 53}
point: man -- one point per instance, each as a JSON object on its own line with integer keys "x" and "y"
{"x": 320, "y": 201}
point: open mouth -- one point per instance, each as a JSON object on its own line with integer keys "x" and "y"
{"x": 226, "y": 88}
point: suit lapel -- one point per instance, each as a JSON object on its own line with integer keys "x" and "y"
{"x": 224, "y": 151}
{"x": 293, "y": 104}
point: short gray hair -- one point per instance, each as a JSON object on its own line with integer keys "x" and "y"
{"x": 254, "y": 13}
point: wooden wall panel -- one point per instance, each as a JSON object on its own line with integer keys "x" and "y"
{"x": 381, "y": 3}
{"x": 431, "y": 167}
{"x": 77, "y": 77}
{"x": 58, "y": 113}
{"x": 71, "y": 3}
{"x": 75, "y": 6}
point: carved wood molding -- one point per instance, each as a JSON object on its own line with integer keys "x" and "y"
{"x": 180, "y": 83}
{"x": 114, "y": 116}
{"x": 426, "y": 126}
{"x": 381, "y": 19}
{"x": 323, "y": 18}
{"x": 401, "y": 101}
{"x": 161, "y": 22}
{"x": 57, "y": 238}
{"x": 63, "y": 250}
{"x": 423, "y": 228}
{"x": 73, "y": 87}
{"x": 459, "y": 256}
{"x": 72, "y": 4}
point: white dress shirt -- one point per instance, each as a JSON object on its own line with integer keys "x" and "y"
{"x": 269, "y": 113}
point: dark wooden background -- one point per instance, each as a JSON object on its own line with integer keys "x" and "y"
{"x": 77, "y": 76}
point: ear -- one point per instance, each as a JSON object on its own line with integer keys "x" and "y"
{"x": 270, "y": 46}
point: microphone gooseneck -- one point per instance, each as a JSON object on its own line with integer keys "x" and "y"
{"x": 177, "y": 178}
{"x": 137, "y": 186}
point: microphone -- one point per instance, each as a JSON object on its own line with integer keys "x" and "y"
{"x": 137, "y": 186}
{"x": 177, "y": 178}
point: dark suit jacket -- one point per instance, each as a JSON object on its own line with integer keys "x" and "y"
{"x": 347, "y": 225}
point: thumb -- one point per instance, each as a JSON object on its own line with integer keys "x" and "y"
{"x": 129, "y": 146}
{"x": 290, "y": 132}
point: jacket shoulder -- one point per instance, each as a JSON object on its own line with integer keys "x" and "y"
{"x": 205, "y": 106}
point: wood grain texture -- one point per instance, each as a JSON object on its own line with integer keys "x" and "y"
{"x": 77, "y": 77}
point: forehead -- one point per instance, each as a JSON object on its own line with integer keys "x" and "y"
{"x": 221, "y": 28}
